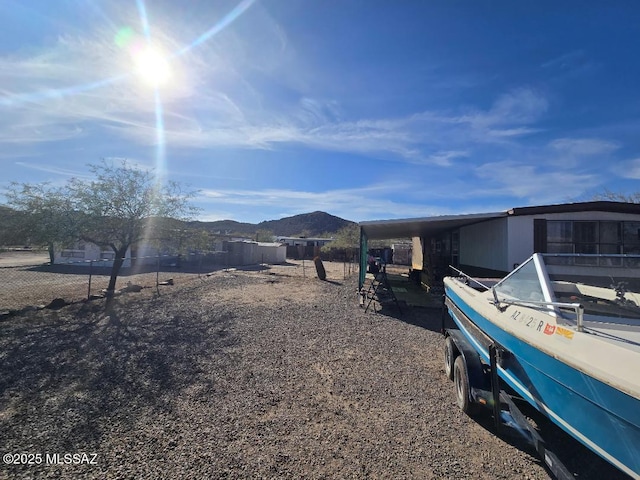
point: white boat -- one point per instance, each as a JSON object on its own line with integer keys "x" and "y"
{"x": 570, "y": 327}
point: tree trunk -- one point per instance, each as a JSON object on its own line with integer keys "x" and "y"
{"x": 117, "y": 263}
{"x": 52, "y": 257}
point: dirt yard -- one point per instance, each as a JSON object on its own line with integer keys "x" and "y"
{"x": 246, "y": 374}
{"x": 22, "y": 257}
{"x": 27, "y": 279}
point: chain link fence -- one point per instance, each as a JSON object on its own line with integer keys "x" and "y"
{"x": 35, "y": 286}
{"x": 36, "y": 283}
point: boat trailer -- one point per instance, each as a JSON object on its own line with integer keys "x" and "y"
{"x": 477, "y": 386}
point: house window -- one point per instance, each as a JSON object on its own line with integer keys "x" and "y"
{"x": 631, "y": 237}
{"x": 592, "y": 237}
{"x": 611, "y": 237}
{"x": 72, "y": 254}
{"x": 559, "y": 237}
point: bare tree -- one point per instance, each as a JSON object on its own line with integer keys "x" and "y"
{"x": 46, "y": 215}
{"x": 123, "y": 205}
{"x": 118, "y": 208}
{"x": 618, "y": 197}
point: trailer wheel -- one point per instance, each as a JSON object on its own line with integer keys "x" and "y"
{"x": 450, "y": 353}
{"x": 463, "y": 389}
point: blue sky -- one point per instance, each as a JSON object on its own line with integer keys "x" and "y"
{"x": 363, "y": 109}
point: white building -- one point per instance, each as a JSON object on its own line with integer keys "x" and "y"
{"x": 86, "y": 254}
{"x": 304, "y": 241}
{"x": 272, "y": 253}
{"x": 252, "y": 253}
{"x": 492, "y": 244}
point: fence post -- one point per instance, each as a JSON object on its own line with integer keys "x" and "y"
{"x": 90, "y": 272}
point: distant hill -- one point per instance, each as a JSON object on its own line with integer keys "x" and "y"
{"x": 224, "y": 226}
{"x": 312, "y": 224}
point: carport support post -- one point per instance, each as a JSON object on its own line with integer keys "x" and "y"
{"x": 363, "y": 258}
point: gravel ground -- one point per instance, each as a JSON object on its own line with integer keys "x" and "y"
{"x": 245, "y": 375}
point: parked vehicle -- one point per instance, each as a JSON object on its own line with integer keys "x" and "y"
{"x": 562, "y": 331}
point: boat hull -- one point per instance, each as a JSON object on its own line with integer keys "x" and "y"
{"x": 598, "y": 415}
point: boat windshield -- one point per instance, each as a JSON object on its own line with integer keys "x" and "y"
{"x": 522, "y": 284}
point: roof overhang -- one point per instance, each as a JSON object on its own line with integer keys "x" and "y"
{"x": 431, "y": 226}
{"x": 422, "y": 227}
{"x": 595, "y": 206}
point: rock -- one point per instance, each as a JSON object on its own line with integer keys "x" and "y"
{"x": 132, "y": 288}
{"x": 57, "y": 303}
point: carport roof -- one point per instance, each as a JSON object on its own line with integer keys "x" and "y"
{"x": 431, "y": 226}
{"x": 422, "y": 227}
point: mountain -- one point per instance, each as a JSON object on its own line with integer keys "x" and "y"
{"x": 223, "y": 226}
{"x": 310, "y": 224}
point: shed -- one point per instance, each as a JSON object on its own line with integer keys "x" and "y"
{"x": 271, "y": 253}
{"x": 241, "y": 252}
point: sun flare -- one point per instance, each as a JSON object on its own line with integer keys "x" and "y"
{"x": 152, "y": 67}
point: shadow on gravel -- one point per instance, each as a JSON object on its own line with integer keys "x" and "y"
{"x": 427, "y": 318}
{"x": 580, "y": 461}
{"x": 71, "y": 379}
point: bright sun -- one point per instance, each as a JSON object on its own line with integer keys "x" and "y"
{"x": 151, "y": 66}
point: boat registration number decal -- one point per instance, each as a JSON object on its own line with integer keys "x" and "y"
{"x": 537, "y": 325}
{"x": 529, "y": 321}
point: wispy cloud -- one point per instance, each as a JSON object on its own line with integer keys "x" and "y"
{"x": 251, "y": 92}
{"x": 53, "y": 169}
{"x": 576, "y": 147}
{"x": 584, "y": 153}
{"x": 360, "y": 203}
{"x": 570, "y": 65}
{"x": 217, "y": 103}
{"x": 629, "y": 169}
{"x": 517, "y": 107}
{"x": 532, "y": 184}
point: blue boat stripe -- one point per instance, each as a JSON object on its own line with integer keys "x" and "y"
{"x": 524, "y": 391}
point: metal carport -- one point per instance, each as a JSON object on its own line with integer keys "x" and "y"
{"x": 413, "y": 227}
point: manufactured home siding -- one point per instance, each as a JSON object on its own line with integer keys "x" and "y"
{"x": 484, "y": 245}
{"x": 520, "y": 230}
{"x": 89, "y": 254}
